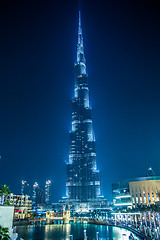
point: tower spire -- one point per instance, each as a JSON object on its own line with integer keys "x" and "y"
{"x": 80, "y": 48}
{"x": 79, "y": 18}
{"x": 80, "y": 37}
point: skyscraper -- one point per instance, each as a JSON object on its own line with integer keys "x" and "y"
{"x": 83, "y": 182}
{"x": 25, "y": 190}
{"x": 38, "y": 195}
{"x": 150, "y": 172}
{"x": 34, "y": 197}
{"x": 48, "y": 192}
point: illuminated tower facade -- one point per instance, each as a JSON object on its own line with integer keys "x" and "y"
{"x": 25, "y": 190}
{"x": 48, "y": 192}
{"x": 38, "y": 195}
{"x": 83, "y": 182}
{"x": 35, "y": 190}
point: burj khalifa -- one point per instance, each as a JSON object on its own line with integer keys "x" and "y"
{"x": 83, "y": 181}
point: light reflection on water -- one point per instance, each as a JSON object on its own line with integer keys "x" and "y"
{"x": 62, "y": 232}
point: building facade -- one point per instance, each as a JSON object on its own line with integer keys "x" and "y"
{"x": 38, "y": 195}
{"x": 48, "y": 192}
{"x": 121, "y": 194}
{"x": 136, "y": 192}
{"x": 83, "y": 181}
{"x": 145, "y": 191}
{"x": 25, "y": 188}
{"x": 22, "y": 205}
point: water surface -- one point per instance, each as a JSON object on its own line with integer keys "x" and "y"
{"x": 62, "y": 232}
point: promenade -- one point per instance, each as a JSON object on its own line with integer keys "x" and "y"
{"x": 144, "y": 224}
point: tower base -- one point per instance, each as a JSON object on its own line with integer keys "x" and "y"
{"x": 78, "y": 207}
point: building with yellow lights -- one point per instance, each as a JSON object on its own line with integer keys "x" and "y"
{"x": 137, "y": 192}
{"x": 22, "y": 205}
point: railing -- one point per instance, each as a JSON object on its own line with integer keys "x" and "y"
{"x": 131, "y": 228}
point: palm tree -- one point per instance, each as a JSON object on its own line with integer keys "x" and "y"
{"x": 4, "y": 192}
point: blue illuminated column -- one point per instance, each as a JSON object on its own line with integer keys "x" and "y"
{"x": 83, "y": 182}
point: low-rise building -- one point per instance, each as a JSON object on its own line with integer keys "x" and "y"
{"x": 136, "y": 192}
{"x": 121, "y": 195}
{"x": 145, "y": 191}
{"x": 22, "y": 205}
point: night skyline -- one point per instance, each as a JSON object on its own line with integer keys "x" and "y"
{"x": 38, "y": 50}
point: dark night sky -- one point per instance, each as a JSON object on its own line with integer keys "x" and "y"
{"x": 37, "y": 51}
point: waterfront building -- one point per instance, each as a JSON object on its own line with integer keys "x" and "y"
{"x": 121, "y": 194}
{"x": 83, "y": 181}
{"x": 38, "y": 195}
{"x": 136, "y": 192}
{"x": 25, "y": 188}
{"x": 48, "y": 192}
{"x": 145, "y": 191}
{"x": 22, "y": 205}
